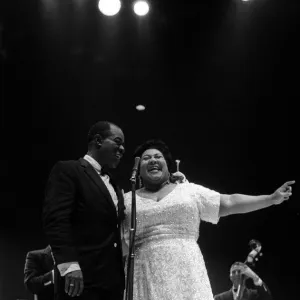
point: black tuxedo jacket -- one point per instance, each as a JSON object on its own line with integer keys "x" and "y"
{"x": 82, "y": 225}
{"x": 37, "y": 273}
{"x": 259, "y": 293}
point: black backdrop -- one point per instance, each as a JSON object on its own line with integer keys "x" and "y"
{"x": 220, "y": 82}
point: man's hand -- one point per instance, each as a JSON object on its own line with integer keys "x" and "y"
{"x": 74, "y": 283}
{"x": 178, "y": 177}
{"x": 245, "y": 270}
{"x": 249, "y": 273}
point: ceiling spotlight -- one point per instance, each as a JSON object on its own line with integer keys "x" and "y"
{"x": 109, "y": 7}
{"x": 140, "y": 107}
{"x": 141, "y": 7}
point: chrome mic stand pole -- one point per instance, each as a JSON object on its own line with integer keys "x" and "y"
{"x": 132, "y": 230}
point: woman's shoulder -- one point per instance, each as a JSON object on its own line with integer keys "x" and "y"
{"x": 186, "y": 185}
{"x": 192, "y": 185}
{"x": 126, "y": 195}
{"x": 193, "y": 188}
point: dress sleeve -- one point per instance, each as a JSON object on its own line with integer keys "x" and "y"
{"x": 208, "y": 202}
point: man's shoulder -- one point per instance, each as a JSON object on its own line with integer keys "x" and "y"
{"x": 224, "y": 295}
{"x": 71, "y": 162}
{"x": 69, "y": 167}
{"x": 67, "y": 164}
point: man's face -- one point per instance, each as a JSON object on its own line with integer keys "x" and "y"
{"x": 235, "y": 276}
{"x": 112, "y": 148}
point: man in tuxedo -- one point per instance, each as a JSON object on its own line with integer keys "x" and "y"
{"x": 39, "y": 273}
{"x": 82, "y": 214}
{"x": 260, "y": 292}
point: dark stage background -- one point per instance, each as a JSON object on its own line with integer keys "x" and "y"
{"x": 220, "y": 82}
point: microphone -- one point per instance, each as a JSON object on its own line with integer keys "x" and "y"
{"x": 135, "y": 168}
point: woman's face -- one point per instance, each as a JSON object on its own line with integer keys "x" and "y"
{"x": 153, "y": 167}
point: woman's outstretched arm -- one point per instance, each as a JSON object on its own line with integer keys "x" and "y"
{"x": 240, "y": 204}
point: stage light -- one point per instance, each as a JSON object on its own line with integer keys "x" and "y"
{"x": 109, "y": 7}
{"x": 141, "y": 8}
{"x": 140, "y": 107}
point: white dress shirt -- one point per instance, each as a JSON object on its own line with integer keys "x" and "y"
{"x": 105, "y": 178}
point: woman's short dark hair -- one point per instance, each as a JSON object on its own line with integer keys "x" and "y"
{"x": 158, "y": 145}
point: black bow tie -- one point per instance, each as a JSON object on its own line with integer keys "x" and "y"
{"x": 104, "y": 172}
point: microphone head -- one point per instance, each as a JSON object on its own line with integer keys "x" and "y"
{"x": 135, "y": 168}
{"x": 136, "y": 162}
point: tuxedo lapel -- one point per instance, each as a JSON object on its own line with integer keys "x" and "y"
{"x": 98, "y": 181}
{"x": 121, "y": 205}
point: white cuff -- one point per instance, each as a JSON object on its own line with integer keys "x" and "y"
{"x": 66, "y": 268}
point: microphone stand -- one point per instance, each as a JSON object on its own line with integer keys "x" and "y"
{"x": 131, "y": 254}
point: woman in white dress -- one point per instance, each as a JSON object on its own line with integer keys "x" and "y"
{"x": 168, "y": 264}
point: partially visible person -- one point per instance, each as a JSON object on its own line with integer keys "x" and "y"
{"x": 39, "y": 273}
{"x": 259, "y": 292}
{"x": 82, "y": 214}
{"x": 168, "y": 262}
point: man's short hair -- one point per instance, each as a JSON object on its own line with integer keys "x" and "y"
{"x": 102, "y": 128}
{"x": 235, "y": 264}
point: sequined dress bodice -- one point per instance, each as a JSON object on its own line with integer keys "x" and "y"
{"x": 168, "y": 262}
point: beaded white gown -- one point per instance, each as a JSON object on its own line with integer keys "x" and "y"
{"x": 168, "y": 264}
